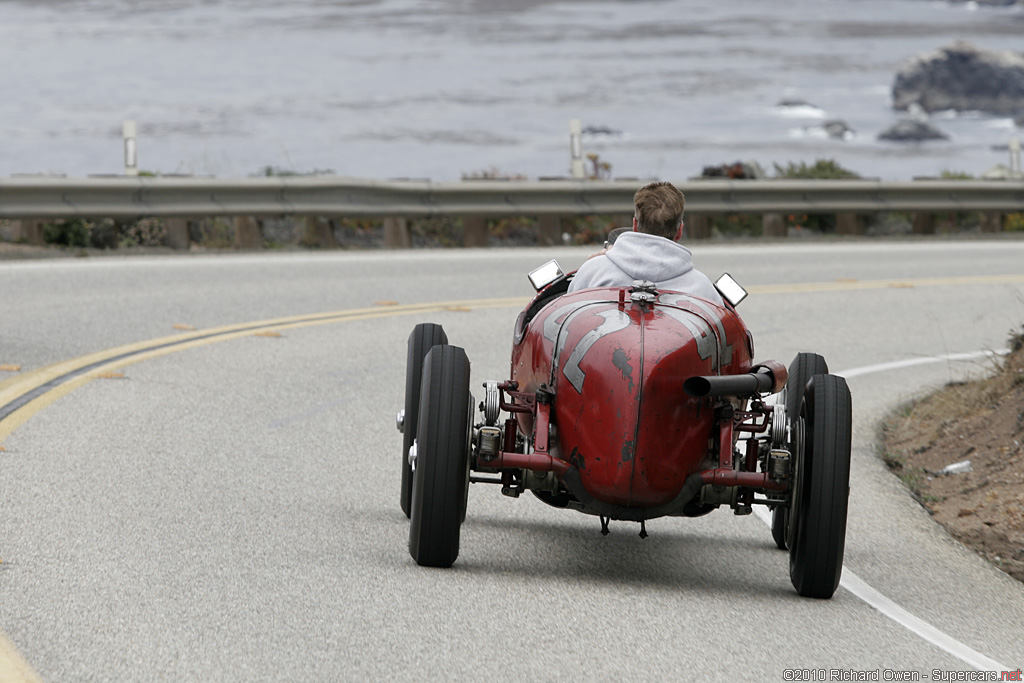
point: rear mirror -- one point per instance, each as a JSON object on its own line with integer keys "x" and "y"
{"x": 730, "y": 290}
{"x": 543, "y": 276}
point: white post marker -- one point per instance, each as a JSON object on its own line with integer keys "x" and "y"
{"x": 576, "y": 147}
{"x": 131, "y": 155}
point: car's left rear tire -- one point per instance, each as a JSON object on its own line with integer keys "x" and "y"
{"x": 441, "y": 475}
{"x": 424, "y": 337}
{"x": 819, "y": 508}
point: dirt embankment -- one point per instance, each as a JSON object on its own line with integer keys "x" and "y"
{"x": 961, "y": 451}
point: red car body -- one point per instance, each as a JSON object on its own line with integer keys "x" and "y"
{"x": 631, "y": 403}
{"x": 617, "y": 367}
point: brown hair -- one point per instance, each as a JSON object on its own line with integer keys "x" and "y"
{"x": 659, "y": 209}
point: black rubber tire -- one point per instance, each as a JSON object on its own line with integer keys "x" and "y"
{"x": 819, "y": 515}
{"x": 441, "y": 478}
{"x": 804, "y": 366}
{"x": 424, "y": 337}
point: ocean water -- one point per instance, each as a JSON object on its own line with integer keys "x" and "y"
{"x": 440, "y": 89}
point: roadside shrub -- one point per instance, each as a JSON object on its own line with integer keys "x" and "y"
{"x": 436, "y": 231}
{"x": 737, "y": 225}
{"x": 148, "y": 232}
{"x": 823, "y": 169}
{"x": 212, "y": 233}
{"x": 1014, "y": 222}
{"x": 74, "y": 232}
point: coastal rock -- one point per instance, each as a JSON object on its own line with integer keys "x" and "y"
{"x": 796, "y": 104}
{"x": 912, "y": 130}
{"x": 992, "y": 3}
{"x": 838, "y": 129}
{"x": 963, "y": 78}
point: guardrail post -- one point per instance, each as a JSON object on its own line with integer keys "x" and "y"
{"x": 32, "y": 232}
{"x": 848, "y": 224}
{"x": 773, "y": 225}
{"x": 923, "y": 223}
{"x": 549, "y": 230}
{"x": 698, "y": 226}
{"x": 247, "y": 233}
{"x": 396, "y": 233}
{"x": 474, "y": 231}
{"x": 991, "y": 221}
{"x": 317, "y": 232}
{"x": 176, "y": 233}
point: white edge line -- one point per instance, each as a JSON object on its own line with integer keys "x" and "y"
{"x": 861, "y": 589}
{"x": 865, "y": 592}
{"x": 919, "y": 627}
{"x": 911, "y": 362}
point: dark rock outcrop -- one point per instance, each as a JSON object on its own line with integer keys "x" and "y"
{"x": 993, "y": 3}
{"x": 838, "y": 129}
{"x": 912, "y": 130}
{"x": 795, "y": 103}
{"x": 964, "y": 78}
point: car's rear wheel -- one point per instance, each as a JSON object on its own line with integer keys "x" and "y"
{"x": 821, "y": 498}
{"x": 804, "y": 366}
{"x": 441, "y": 467}
{"x": 424, "y": 337}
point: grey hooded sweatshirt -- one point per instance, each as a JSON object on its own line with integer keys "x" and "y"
{"x": 640, "y": 256}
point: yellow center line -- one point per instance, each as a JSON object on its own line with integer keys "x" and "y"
{"x": 95, "y": 364}
{"x": 112, "y": 359}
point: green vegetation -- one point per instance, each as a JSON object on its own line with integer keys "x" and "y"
{"x": 213, "y": 233}
{"x": 75, "y": 232}
{"x": 823, "y": 169}
{"x": 1014, "y": 222}
{"x": 104, "y": 234}
{"x": 277, "y": 171}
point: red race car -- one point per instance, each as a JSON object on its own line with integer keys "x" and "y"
{"x": 630, "y": 403}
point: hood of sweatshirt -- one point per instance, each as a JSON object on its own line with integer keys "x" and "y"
{"x": 643, "y": 256}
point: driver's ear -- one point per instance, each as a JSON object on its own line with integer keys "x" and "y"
{"x": 636, "y": 224}
{"x": 681, "y": 230}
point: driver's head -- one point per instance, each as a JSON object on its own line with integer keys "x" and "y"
{"x": 659, "y": 210}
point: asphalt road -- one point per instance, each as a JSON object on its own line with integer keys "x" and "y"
{"x": 227, "y": 509}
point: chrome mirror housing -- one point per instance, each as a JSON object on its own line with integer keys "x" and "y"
{"x": 730, "y": 290}
{"x": 546, "y": 274}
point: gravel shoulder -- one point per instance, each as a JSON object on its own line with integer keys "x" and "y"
{"x": 960, "y": 451}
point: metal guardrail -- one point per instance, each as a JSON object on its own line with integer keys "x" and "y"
{"x": 126, "y": 197}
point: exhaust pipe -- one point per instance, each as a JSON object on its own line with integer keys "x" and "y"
{"x": 768, "y": 378}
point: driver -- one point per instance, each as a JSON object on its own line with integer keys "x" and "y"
{"x": 651, "y": 251}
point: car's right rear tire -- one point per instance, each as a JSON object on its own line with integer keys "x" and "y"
{"x": 801, "y": 370}
{"x": 820, "y": 506}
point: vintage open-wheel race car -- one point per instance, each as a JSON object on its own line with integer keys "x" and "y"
{"x": 630, "y": 403}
